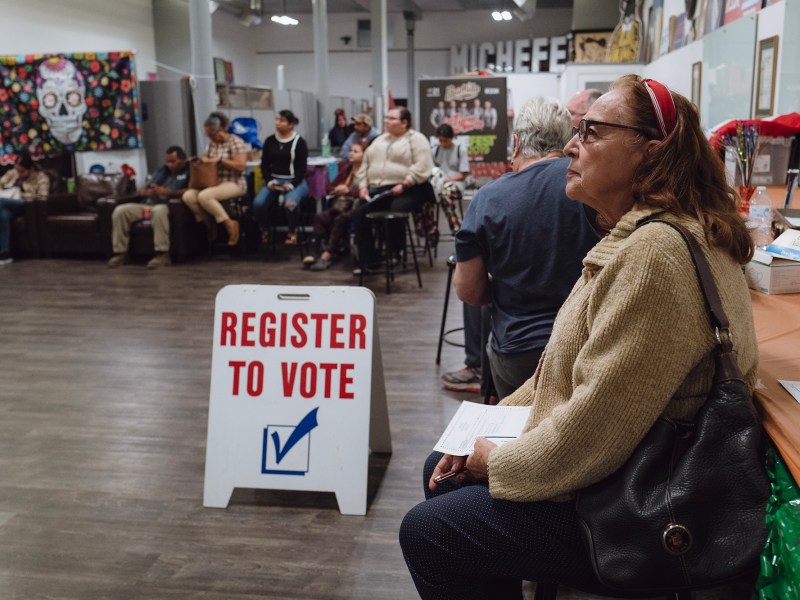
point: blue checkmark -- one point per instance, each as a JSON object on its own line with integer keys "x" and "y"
{"x": 303, "y": 428}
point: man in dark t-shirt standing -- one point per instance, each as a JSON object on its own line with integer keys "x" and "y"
{"x": 521, "y": 245}
{"x": 170, "y": 181}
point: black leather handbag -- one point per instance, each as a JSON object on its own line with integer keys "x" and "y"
{"x": 687, "y": 509}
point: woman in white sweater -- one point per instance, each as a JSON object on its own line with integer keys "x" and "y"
{"x": 398, "y": 163}
{"x": 630, "y": 344}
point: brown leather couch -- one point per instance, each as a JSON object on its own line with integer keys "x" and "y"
{"x": 25, "y": 227}
{"x": 80, "y": 222}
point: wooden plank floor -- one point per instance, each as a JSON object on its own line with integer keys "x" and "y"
{"x": 104, "y": 380}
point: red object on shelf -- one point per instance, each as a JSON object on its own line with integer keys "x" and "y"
{"x": 780, "y": 126}
{"x": 745, "y": 193}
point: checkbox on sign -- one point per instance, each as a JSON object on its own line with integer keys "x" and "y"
{"x": 286, "y": 448}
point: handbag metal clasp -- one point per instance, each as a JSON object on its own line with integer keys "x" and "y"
{"x": 724, "y": 333}
{"x": 676, "y": 539}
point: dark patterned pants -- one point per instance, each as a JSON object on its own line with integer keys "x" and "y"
{"x": 330, "y": 226}
{"x": 461, "y": 543}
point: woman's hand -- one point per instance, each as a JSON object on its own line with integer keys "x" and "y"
{"x": 478, "y": 461}
{"x": 446, "y": 464}
{"x": 363, "y": 193}
{"x": 275, "y": 186}
{"x": 398, "y": 189}
{"x": 208, "y": 159}
{"x": 341, "y": 190}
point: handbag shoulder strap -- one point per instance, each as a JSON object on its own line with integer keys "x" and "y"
{"x": 726, "y": 365}
{"x": 716, "y": 314}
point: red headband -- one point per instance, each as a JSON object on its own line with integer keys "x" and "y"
{"x": 663, "y": 105}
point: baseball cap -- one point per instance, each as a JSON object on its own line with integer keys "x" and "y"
{"x": 362, "y": 118}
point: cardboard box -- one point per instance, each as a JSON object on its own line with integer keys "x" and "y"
{"x": 772, "y": 275}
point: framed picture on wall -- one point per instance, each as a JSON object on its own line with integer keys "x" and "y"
{"x": 715, "y": 9}
{"x": 765, "y": 74}
{"x": 219, "y": 70}
{"x": 591, "y": 46}
{"x": 697, "y": 79}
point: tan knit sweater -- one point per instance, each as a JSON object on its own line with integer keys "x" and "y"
{"x": 390, "y": 161}
{"x": 631, "y": 342}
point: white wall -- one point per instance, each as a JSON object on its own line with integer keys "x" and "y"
{"x": 351, "y": 67}
{"x": 350, "y": 72}
{"x": 674, "y": 69}
{"x": 436, "y": 30}
{"x": 44, "y": 26}
{"x": 771, "y": 22}
{"x": 172, "y": 37}
{"x": 523, "y": 86}
{"x": 236, "y": 43}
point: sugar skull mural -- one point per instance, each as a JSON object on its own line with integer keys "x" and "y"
{"x": 61, "y": 92}
{"x": 84, "y": 101}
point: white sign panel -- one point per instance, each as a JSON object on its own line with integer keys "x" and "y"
{"x": 297, "y": 393}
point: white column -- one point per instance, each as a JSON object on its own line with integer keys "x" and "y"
{"x": 321, "y": 68}
{"x": 410, "y": 18}
{"x": 202, "y": 64}
{"x": 380, "y": 60}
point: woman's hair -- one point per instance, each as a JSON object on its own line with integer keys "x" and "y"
{"x": 405, "y": 116}
{"x": 446, "y": 131}
{"x": 543, "y": 126}
{"x": 683, "y": 174}
{"x": 217, "y": 120}
{"x": 360, "y": 144}
{"x": 289, "y": 116}
{"x": 24, "y": 160}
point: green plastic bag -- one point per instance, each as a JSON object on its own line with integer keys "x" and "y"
{"x": 780, "y": 561}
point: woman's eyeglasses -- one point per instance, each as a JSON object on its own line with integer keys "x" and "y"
{"x": 583, "y": 128}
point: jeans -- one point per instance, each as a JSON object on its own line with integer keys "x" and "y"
{"x": 266, "y": 197}
{"x": 510, "y": 371}
{"x": 9, "y": 208}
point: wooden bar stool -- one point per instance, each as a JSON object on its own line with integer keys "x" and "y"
{"x": 382, "y": 222}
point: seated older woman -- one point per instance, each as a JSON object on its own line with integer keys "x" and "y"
{"x": 229, "y": 153}
{"x": 631, "y": 343}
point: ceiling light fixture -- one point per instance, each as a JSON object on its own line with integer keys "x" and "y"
{"x": 501, "y": 15}
{"x": 253, "y": 16}
{"x": 284, "y": 19}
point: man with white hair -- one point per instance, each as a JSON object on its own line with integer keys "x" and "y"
{"x": 580, "y": 102}
{"x": 521, "y": 245}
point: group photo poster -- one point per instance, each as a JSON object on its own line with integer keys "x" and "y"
{"x": 476, "y": 109}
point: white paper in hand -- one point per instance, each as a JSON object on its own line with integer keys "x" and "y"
{"x": 499, "y": 424}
